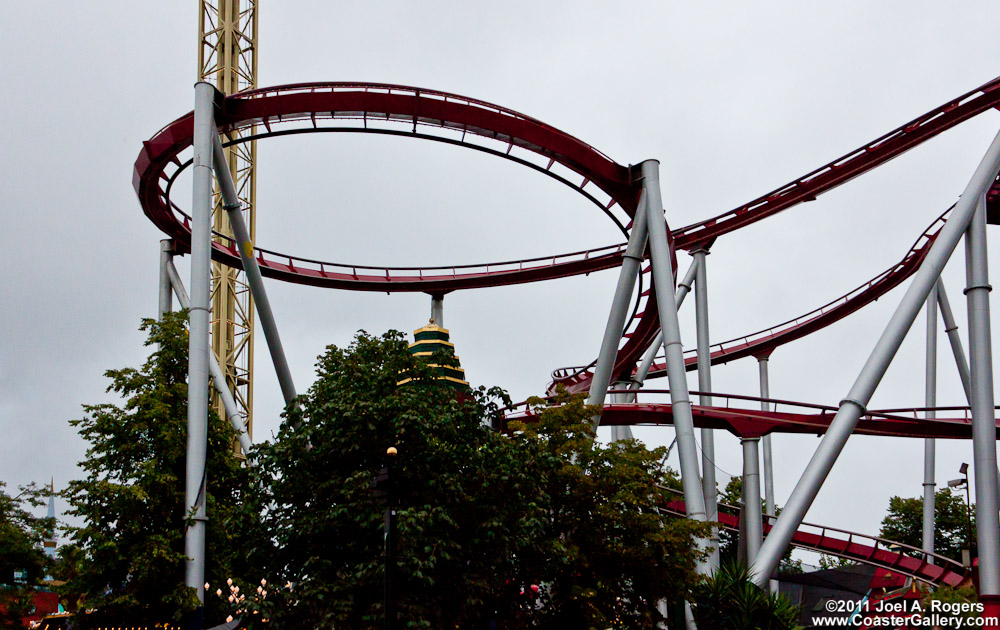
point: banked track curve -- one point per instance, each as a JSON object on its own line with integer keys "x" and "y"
{"x": 401, "y": 111}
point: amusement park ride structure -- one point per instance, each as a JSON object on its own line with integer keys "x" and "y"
{"x": 642, "y": 339}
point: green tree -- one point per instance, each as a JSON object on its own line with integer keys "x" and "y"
{"x": 730, "y": 601}
{"x": 23, "y": 564}
{"x": 530, "y": 528}
{"x": 827, "y": 561}
{"x": 904, "y": 523}
{"x": 607, "y": 554}
{"x": 132, "y": 498}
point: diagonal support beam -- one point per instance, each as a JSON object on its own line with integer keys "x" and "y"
{"x": 951, "y": 329}
{"x": 231, "y": 202}
{"x": 619, "y": 308}
{"x": 680, "y": 401}
{"x": 641, "y": 372}
{"x": 854, "y": 404}
{"x": 218, "y": 378}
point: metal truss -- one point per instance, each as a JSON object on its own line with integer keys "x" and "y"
{"x": 227, "y": 58}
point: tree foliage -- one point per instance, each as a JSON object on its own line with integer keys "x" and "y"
{"x": 539, "y": 527}
{"x": 23, "y": 564}
{"x": 131, "y": 500}
{"x": 730, "y": 601}
{"x": 904, "y": 523}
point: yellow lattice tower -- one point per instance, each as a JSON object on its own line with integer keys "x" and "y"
{"x": 227, "y": 57}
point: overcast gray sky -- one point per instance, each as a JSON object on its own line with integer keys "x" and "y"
{"x": 734, "y": 99}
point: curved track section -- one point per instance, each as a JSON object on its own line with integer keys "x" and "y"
{"x": 871, "y": 550}
{"x": 404, "y": 111}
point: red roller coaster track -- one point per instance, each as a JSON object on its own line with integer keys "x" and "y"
{"x": 871, "y": 550}
{"x": 449, "y": 118}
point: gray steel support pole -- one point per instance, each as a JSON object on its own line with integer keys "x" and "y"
{"x": 641, "y": 372}
{"x": 437, "y": 309}
{"x": 231, "y": 202}
{"x": 619, "y": 307}
{"x": 620, "y": 432}
{"x": 984, "y": 451}
{"x": 765, "y": 392}
{"x": 198, "y": 346}
{"x": 751, "y": 497}
{"x": 854, "y": 404}
{"x": 951, "y": 329}
{"x": 708, "y": 482}
{"x": 663, "y": 281}
{"x": 166, "y": 255}
{"x": 228, "y": 402}
{"x": 930, "y": 400}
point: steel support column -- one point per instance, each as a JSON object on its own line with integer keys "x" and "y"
{"x": 983, "y": 420}
{"x": 245, "y": 246}
{"x": 437, "y": 309}
{"x": 708, "y": 482}
{"x": 930, "y": 400}
{"x": 765, "y": 392}
{"x": 751, "y": 497}
{"x": 854, "y": 404}
{"x": 198, "y": 340}
{"x": 218, "y": 378}
{"x": 165, "y": 304}
{"x": 663, "y": 281}
{"x": 619, "y": 308}
{"x": 622, "y": 432}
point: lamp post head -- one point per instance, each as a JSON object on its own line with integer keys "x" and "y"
{"x": 956, "y": 483}
{"x": 391, "y": 451}
{"x": 963, "y": 469}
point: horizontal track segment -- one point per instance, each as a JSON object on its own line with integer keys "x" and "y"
{"x": 742, "y": 416}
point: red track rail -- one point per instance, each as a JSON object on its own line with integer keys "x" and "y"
{"x": 397, "y": 110}
{"x": 763, "y": 342}
{"x": 641, "y": 333}
{"x": 871, "y": 550}
{"x": 846, "y": 167}
{"x": 733, "y": 413}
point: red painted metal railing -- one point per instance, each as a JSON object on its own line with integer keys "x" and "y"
{"x": 898, "y": 557}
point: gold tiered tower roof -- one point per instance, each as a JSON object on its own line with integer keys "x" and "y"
{"x": 432, "y": 339}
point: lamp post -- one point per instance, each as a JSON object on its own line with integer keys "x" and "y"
{"x": 958, "y": 483}
{"x": 385, "y": 491}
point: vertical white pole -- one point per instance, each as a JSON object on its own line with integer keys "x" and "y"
{"x": 704, "y": 351}
{"x": 198, "y": 346}
{"x": 930, "y": 400}
{"x": 165, "y": 304}
{"x": 765, "y": 392}
{"x": 983, "y": 419}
